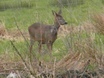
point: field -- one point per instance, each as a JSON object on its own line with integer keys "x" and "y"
{"x": 79, "y": 46}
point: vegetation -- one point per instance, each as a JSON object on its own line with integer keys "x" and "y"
{"x": 81, "y": 40}
{"x": 25, "y": 16}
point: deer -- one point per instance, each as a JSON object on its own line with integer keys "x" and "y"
{"x": 45, "y": 34}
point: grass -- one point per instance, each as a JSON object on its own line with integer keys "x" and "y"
{"x": 39, "y": 12}
{"x": 58, "y": 49}
{"x": 15, "y": 4}
{"x": 26, "y": 12}
{"x": 5, "y": 44}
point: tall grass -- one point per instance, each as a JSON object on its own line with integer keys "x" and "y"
{"x": 98, "y": 21}
{"x": 78, "y": 45}
{"x": 8, "y": 4}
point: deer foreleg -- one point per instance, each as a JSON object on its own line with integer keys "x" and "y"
{"x": 49, "y": 46}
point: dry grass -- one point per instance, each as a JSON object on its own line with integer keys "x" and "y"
{"x": 98, "y": 22}
{"x": 83, "y": 54}
{"x": 13, "y": 35}
{"x": 3, "y": 30}
{"x": 82, "y": 51}
{"x": 87, "y": 27}
{"x": 79, "y": 61}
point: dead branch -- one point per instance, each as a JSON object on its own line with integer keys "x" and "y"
{"x": 22, "y": 59}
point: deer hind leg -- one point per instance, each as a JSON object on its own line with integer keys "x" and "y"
{"x": 31, "y": 46}
{"x": 49, "y": 46}
{"x": 40, "y": 47}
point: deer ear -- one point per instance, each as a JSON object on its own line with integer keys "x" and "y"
{"x": 60, "y": 12}
{"x": 54, "y": 13}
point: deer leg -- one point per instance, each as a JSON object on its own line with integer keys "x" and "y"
{"x": 40, "y": 47}
{"x": 49, "y": 46}
{"x": 31, "y": 45}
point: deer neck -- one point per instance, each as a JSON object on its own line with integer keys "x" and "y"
{"x": 57, "y": 25}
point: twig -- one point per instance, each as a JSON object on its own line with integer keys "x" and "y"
{"x": 22, "y": 58}
{"x": 86, "y": 67}
{"x": 20, "y": 31}
{"x": 11, "y": 69}
{"x": 54, "y": 68}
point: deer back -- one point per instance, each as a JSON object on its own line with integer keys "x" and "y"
{"x": 44, "y": 33}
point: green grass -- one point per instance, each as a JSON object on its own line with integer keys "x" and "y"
{"x": 8, "y": 4}
{"x": 5, "y": 46}
{"x": 26, "y": 12}
{"x": 39, "y": 12}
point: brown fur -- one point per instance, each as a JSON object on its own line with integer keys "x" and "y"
{"x": 45, "y": 34}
